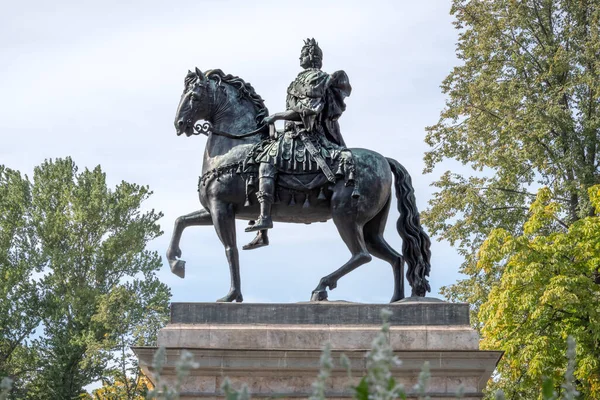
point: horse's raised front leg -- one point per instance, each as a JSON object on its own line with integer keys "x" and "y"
{"x": 223, "y": 218}
{"x": 200, "y": 217}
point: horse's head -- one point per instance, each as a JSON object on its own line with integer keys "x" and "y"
{"x": 224, "y": 100}
{"x": 195, "y": 102}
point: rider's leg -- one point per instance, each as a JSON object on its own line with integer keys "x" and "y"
{"x": 265, "y": 196}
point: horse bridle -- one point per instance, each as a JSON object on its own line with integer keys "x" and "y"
{"x": 206, "y": 128}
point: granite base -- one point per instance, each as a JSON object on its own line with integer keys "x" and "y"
{"x": 281, "y": 360}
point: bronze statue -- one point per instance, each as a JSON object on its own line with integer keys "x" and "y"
{"x": 305, "y": 174}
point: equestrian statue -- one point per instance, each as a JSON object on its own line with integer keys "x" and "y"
{"x": 303, "y": 174}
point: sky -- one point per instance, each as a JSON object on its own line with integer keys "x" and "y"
{"x": 100, "y": 82}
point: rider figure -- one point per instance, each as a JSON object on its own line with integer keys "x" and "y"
{"x": 315, "y": 100}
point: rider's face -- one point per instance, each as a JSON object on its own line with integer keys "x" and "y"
{"x": 305, "y": 61}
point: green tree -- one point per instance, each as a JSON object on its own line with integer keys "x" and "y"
{"x": 131, "y": 388}
{"x": 523, "y": 111}
{"x": 549, "y": 290}
{"x": 97, "y": 287}
{"x": 20, "y": 295}
{"x": 144, "y": 311}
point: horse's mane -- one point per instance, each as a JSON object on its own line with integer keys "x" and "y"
{"x": 244, "y": 88}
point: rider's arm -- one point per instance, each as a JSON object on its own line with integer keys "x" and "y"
{"x": 289, "y": 115}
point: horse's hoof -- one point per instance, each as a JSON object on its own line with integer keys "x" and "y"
{"x": 231, "y": 297}
{"x": 319, "y": 295}
{"x": 396, "y": 298}
{"x": 178, "y": 267}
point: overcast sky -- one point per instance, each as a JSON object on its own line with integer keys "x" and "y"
{"x": 100, "y": 82}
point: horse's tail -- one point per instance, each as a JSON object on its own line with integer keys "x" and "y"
{"x": 415, "y": 242}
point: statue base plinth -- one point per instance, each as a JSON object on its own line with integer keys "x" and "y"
{"x": 275, "y": 348}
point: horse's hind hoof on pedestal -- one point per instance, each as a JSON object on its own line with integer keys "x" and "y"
{"x": 178, "y": 267}
{"x": 231, "y": 297}
{"x": 319, "y": 295}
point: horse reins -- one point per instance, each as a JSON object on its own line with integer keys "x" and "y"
{"x": 206, "y": 128}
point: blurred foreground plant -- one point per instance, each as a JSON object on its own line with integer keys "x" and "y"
{"x": 5, "y": 386}
{"x": 183, "y": 366}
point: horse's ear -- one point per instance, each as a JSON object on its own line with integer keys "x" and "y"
{"x": 200, "y": 74}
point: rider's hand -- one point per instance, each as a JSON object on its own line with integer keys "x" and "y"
{"x": 269, "y": 120}
{"x": 272, "y": 131}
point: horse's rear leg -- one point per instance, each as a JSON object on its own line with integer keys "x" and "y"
{"x": 223, "y": 218}
{"x": 200, "y": 217}
{"x": 380, "y": 248}
{"x": 352, "y": 234}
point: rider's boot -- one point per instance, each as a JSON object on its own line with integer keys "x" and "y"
{"x": 266, "y": 186}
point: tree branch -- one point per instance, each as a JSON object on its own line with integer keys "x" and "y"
{"x": 540, "y": 22}
{"x": 561, "y": 222}
{"x": 523, "y": 193}
{"x": 484, "y": 110}
{"x": 512, "y": 191}
{"x": 501, "y": 32}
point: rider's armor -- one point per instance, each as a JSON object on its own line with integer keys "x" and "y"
{"x": 312, "y": 145}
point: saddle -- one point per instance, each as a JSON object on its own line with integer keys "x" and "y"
{"x": 304, "y": 162}
{"x": 301, "y": 182}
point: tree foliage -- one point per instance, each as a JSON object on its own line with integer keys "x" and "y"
{"x": 74, "y": 251}
{"x": 523, "y": 111}
{"x": 123, "y": 387}
{"x": 549, "y": 290}
{"x": 20, "y": 296}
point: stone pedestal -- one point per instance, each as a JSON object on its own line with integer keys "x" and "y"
{"x": 275, "y": 348}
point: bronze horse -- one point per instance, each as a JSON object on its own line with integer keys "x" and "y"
{"x": 236, "y": 114}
